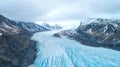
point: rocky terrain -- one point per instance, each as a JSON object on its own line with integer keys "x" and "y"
{"x": 97, "y": 32}
{"x": 16, "y": 47}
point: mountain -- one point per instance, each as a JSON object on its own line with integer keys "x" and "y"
{"x": 6, "y": 26}
{"x": 51, "y": 27}
{"x": 97, "y": 32}
{"x": 16, "y": 47}
{"x": 31, "y": 27}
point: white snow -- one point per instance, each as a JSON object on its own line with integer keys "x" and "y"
{"x": 90, "y": 31}
{"x": 115, "y": 25}
{"x": 87, "y": 21}
{"x": 3, "y": 30}
{"x": 0, "y": 34}
{"x": 62, "y": 52}
{"x": 10, "y": 28}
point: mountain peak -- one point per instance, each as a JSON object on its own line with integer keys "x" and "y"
{"x": 99, "y": 21}
{"x": 2, "y": 17}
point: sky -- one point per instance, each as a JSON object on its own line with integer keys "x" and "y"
{"x": 59, "y": 10}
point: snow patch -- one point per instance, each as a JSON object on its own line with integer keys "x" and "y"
{"x": 89, "y": 31}
{"x": 0, "y": 34}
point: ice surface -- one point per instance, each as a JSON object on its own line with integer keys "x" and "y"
{"x": 62, "y": 52}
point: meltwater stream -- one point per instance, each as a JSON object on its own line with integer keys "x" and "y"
{"x": 62, "y": 52}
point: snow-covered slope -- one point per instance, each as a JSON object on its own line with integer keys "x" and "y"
{"x": 62, "y": 52}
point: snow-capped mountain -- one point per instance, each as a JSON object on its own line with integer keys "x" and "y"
{"x": 7, "y": 26}
{"x": 97, "y": 32}
{"x": 101, "y": 26}
{"x": 51, "y": 27}
{"x": 31, "y": 27}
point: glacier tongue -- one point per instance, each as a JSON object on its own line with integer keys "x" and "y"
{"x": 62, "y": 52}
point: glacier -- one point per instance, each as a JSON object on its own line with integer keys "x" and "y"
{"x": 63, "y": 52}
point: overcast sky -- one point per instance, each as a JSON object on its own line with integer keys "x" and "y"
{"x": 59, "y": 10}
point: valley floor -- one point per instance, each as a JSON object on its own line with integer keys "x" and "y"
{"x": 62, "y": 52}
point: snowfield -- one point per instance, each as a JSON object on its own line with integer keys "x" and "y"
{"x": 63, "y": 52}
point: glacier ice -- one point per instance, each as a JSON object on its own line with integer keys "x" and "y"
{"x": 62, "y": 52}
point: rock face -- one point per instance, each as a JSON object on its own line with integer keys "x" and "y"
{"x": 16, "y": 51}
{"x": 98, "y": 33}
{"x": 16, "y": 47}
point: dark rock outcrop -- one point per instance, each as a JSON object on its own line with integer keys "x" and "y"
{"x": 16, "y": 50}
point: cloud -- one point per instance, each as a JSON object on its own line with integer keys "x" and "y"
{"x": 106, "y": 6}
{"x": 57, "y": 10}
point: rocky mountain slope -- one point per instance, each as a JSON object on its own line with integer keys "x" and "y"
{"x": 97, "y": 32}
{"x": 31, "y": 27}
{"x": 16, "y": 47}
